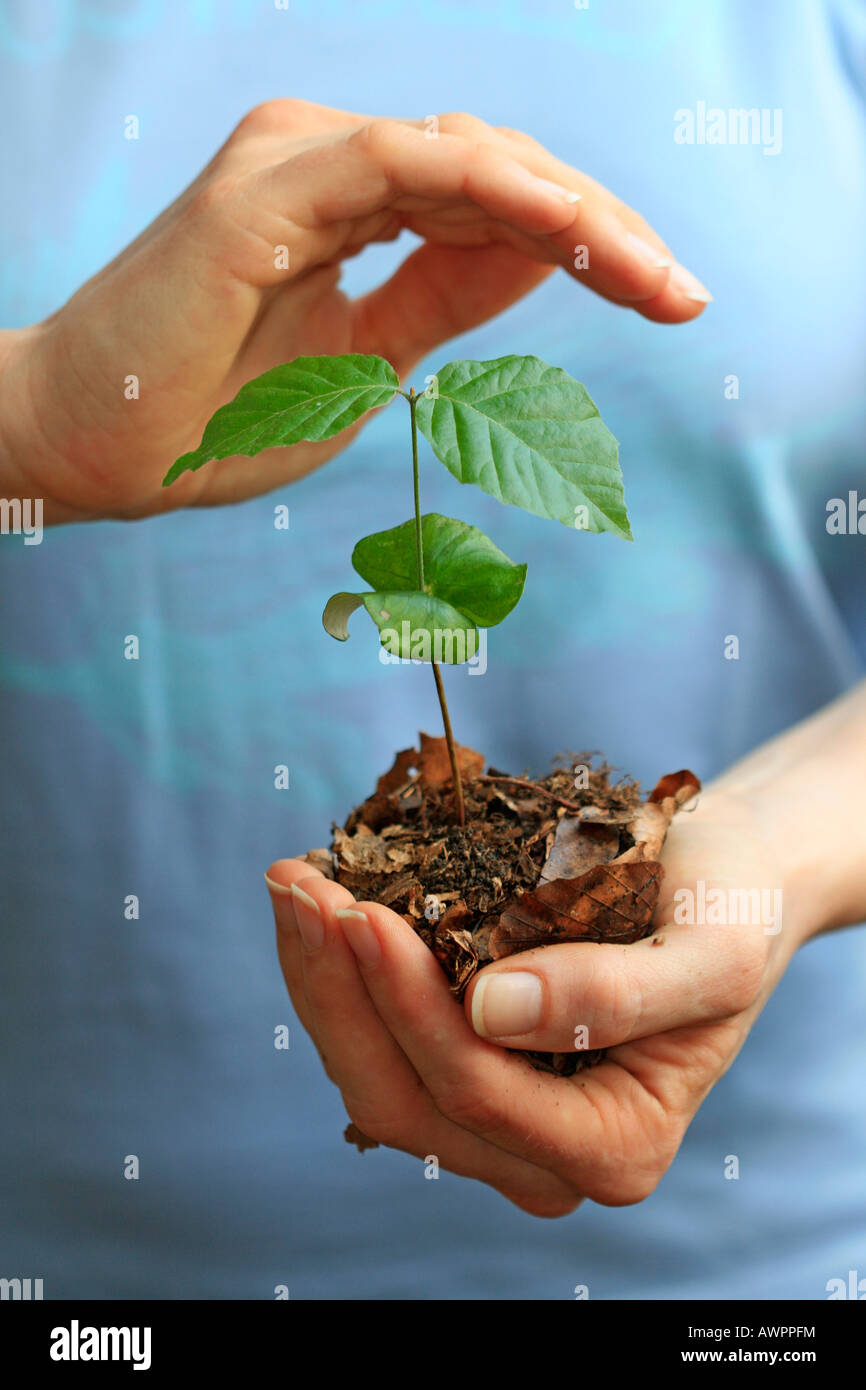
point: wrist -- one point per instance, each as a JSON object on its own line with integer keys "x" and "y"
{"x": 18, "y": 438}
{"x": 801, "y": 803}
{"x": 30, "y": 468}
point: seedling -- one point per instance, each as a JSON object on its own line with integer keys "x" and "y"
{"x": 521, "y": 430}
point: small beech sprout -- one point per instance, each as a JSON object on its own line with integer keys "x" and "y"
{"x": 524, "y": 432}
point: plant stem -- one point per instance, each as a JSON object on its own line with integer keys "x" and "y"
{"x": 452, "y": 752}
{"x": 437, "y": 674}
{"x": 419, "y": 544}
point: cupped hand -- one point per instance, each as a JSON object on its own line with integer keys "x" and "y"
{"x": 423, "y": 1073}
{"x": 241, "y": 273}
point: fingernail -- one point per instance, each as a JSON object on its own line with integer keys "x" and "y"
{"x": 688, "y": 285}
{"x": 567, "y": 193}
{"x": 360, "y": 935}
{"x": 506, "y": 1005}
{"x": 659, "y": 260}
{"x": 310, "y": 923}
{"x": 281, "y": 889}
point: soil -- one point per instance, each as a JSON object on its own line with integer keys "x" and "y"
{"x": 572, "y": 856}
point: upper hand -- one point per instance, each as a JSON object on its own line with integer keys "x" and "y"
{"x": 200, "y": 302}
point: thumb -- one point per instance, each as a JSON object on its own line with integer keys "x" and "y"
{"x": 586, "y": 995}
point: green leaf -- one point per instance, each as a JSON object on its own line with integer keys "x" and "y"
{"x": 468, "y": 583}
{"x": 310, "y": 398}
{"x": 461, "y": 566}
{"x": 411, "y": 624}
{"x": 421, "y": 626}
{"x": 530, "y": 435}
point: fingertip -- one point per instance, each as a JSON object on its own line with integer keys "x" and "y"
{"x": 280, "y": 889}
{"x": 280, "y": 875}
{"x": 668, "y": 307}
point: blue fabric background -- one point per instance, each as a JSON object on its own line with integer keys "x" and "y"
{"x": 155, "y": 1037}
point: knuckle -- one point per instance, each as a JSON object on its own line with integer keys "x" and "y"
{"x": 519, "y": 136}
{"x": 627, "y": 1189}
{"x": 277, "y": 114}
{"x": 327, "y": 1068}
{"x": 631, "y": 1170}
{"x": 613, "y": 996}
{"x": 213, "y": 197}
{"x": 625, "y": 1182}
{"x": 462, "y": 122}
{"x": 389, "y": 1130}
{"x": 376, "y": 137}
{"x": 547, "y": 1205}
{"x": 746, "y": 974}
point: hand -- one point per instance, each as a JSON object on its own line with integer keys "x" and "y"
{"x": 674, "y": 1011}
{"x": 200, "y": 302}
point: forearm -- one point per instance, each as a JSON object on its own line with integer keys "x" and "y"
{"x": 807, "y": 787}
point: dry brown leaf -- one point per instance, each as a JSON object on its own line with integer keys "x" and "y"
{"x": 396, "y": 887}
{"x": 648, "y": 829}
{"x": 320, "y": 859}
{"x": 579, "y": 845}
{"x": 682, "y": 786}
{"x": 454, "y": 948}
{"x": 611, "y": 902}
{"x": 363, "y": 852}
{"x": 398, "y": 773}
{"x": 434, "y": 765}
{"x": 429, "y": 764}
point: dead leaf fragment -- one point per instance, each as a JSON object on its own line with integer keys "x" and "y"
{"x": 320, "y": 859}
{"x": 648, "y": 829}
{"x": 430, "y": 765}
{"x": 434, "y": 764}
{"x": 454, "y": 948}
{"x": 682, "y": 786}
{"x": 579, "y": 845}
{"x": 353, "y": 1135}
{"x": 611, "y": 902}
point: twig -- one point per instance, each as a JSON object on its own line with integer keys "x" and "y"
{"x": 532, "y": 787}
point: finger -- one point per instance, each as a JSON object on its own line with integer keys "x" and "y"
{"x": 585, "y": 996}
{"x": 348, "y": 171}
{"x": 617, "y": 245}
{"x": 383, "y": 1093}
{"x": 279, "y": 879}
{"x": 388, "y": 165}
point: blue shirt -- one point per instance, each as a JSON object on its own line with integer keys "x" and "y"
{"x": 154, "y": 1036}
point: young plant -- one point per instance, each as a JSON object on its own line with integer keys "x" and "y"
{"x": 521, "y": 430}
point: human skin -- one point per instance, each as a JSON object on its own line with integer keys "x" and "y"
{"x": 416, "y": 1075}
{"x": 197, "y": 305}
